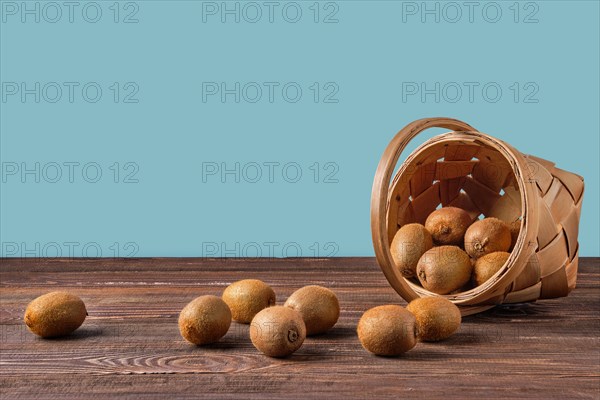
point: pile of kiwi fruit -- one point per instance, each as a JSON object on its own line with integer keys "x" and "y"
{"x": 451, "y": 253}
{"x": 391, "y": 330}
{"x": 277, "y": 331}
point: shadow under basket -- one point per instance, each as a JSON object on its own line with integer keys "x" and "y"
{"x": 488, "y": 178}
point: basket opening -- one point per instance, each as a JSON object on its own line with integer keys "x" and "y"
{"x": 445, "y": 171}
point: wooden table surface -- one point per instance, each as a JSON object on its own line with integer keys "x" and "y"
{"x": 130, "y": 343}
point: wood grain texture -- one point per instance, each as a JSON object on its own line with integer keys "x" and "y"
{"x": 130, "y": 344}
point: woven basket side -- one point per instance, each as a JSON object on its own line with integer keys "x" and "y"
{"x": 561, "y": 197}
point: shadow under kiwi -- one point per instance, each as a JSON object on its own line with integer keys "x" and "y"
{"x": 79, "y": 334}
{"x": 335, "y": 333}
{"x": 226, "y": 343}
{"x": 418, "y": 353}
{"x": 514, "y": 311}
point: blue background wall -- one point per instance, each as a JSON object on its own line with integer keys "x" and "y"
{"x": 160, "y": 133}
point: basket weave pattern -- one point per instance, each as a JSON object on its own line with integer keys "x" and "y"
{"x": 486, "y": 177}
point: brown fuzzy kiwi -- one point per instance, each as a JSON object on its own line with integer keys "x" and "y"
{"x": 444, "y": 269}
{"x": 437, "y": 318}
{"x": 55, "y": 314}
{"x": 319, "y": 307}
{"x": 486, "y": 266}
{"x": 515, "y": 229}
{"x": 448, "y": 225}
{"x": 487, "y": 236}
{"x": 247, "y": 297}
{"x": 206, "y": 319}
{"x": 408, "y": 245}
{"x": 388, "y": 330}
{"x": 278, "y": 331}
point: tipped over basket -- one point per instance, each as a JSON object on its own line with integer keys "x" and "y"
{"x": 486, "y": 177}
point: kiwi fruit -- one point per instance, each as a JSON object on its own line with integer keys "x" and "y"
{"x": 487, "y": 265}
{"x": 247, "y": 297}
{"x": 448, "y": 225}
{"x": 55, "y": 314}
{"x": 319, "y": 307}
{"x": 206, "y": 319}
{"x": 487, "y": 236}
{"x": 444, "y": 269}
{"x": 437, "y": 318}
{"x": 408, "y": 245}
{"x": 388, "y": 330}
{"x": 278, "y": 331}
{"x": 515, "y": 229}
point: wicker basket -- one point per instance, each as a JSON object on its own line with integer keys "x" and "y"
{"x": 487, "y": 177}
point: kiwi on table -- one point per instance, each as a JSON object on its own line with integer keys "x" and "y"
{"x": 387, "y": 330}
{"x": 487, "y": 265}
{"x": 448, "y": 225}
{"x": 278, "y": 331}
{"x": 487, "y": 236}
{"x": 437, "y": 318}
{"x": 444, "y": 269}
{"x": 319, "y": 307}
{"x": 206, "y": 319}
{"x": 55, "y": 314}
{"x": 408, "y": 245}
{"x": 247, "y": 297}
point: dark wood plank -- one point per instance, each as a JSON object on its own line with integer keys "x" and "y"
{"x": 130, "y": 344}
